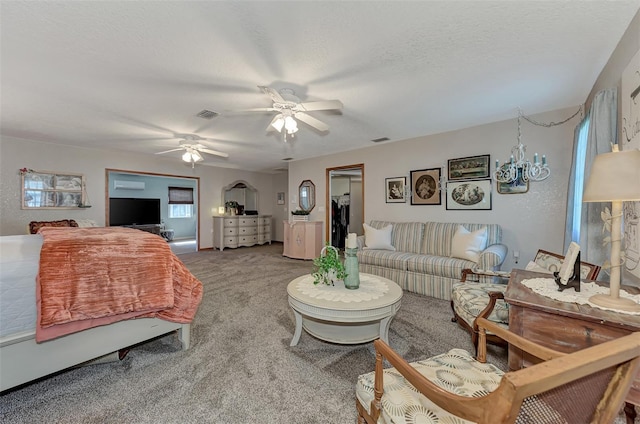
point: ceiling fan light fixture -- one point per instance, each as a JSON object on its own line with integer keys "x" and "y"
{"x": 290, "y": 124}
{"x": 192, "y": 156}
{"x": 278, "y": 123}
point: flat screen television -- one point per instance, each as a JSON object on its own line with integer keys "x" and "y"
{"x": 127, "y": 211}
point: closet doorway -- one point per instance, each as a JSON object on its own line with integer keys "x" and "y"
{"x": 345, "y": 200}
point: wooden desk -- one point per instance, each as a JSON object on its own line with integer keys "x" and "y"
{"x": 561, "y": 326}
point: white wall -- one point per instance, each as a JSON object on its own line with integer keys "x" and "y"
{"x": 530, "y": 221}
{"x": 18, "y": 153}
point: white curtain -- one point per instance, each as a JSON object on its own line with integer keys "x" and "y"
{"x": 602, "y": 133}
{"x": 576, "y": 184}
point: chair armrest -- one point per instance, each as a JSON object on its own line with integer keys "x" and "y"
{"x": 360, "y": 242}
{"x": 481, "y": 272}
{"x": 493, "y": 257}
{"x": 470, "y": 408}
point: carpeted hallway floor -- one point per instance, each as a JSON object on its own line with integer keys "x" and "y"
{"x": 240, "y": 367}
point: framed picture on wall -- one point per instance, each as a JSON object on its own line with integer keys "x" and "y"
{"x": 469, "y": 167}
{"x": 469, "y": 195}
{"x": 280, "y": 198}
{"x": 395, "y": 189}
{"x": 520, "y": 185}
{"x": 425, "y": 187}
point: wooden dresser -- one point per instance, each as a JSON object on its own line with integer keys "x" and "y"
{"x": 242, "y": 230}
{"x": 302, "y": 239}
{"x": 565, "y": 327}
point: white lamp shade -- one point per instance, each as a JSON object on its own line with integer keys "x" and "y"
{"x": 614, "y": 176}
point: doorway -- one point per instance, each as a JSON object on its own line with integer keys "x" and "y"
{"x": 183, "y": 228}
{"x": 345, "y": 200}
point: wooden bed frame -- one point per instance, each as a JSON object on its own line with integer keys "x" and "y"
{"x": 23, "y": 360}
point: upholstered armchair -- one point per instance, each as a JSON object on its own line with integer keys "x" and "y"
{"x": 473, "y": 297}
{"x": 589, "y": 385}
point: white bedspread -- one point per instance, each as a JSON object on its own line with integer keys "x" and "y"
{"x": 19, "y": 259}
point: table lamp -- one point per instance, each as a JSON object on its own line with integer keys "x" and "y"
{"x": 615, "y": 178}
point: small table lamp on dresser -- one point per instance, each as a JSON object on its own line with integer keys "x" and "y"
{"x": 615, "y": 178}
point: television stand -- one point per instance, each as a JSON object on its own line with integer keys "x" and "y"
{"x": 150, "y": 228}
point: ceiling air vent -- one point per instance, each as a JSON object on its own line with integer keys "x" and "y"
{"x": 207, "y": 114}
{"x": 378, "y": 140}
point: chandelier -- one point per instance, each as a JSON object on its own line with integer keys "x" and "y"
{"x": 519, "y": 167}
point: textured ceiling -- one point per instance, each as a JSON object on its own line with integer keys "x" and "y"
{"x": 130, "y": 75}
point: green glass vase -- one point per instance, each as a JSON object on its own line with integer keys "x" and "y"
{"x": 352, "y": 280}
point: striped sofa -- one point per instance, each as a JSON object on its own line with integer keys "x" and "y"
{"x": 422, "y": 262}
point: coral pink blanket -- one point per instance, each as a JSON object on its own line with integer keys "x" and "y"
{"x": 96, "y": 276}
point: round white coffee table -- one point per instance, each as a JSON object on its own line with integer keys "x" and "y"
{"x": 339, "y": 315}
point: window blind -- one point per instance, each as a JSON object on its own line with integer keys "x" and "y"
{"x": 180, "y": 196}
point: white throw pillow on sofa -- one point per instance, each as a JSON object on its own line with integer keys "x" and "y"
{"x": 468, "y": 245}
{"x": 377, "y": 239}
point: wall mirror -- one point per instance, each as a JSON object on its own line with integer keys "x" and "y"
{"x": 242, "y": 192}
{"x": 307, "y": 195}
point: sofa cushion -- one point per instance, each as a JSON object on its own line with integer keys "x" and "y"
{"x": 405, "y": 236}
{"x": 438, "y": 236}
{"x": 385, "y": 258}
{"x": 438, "y": 265}
{"x": 378, "y": 238}
{"x": 468, "y": 245}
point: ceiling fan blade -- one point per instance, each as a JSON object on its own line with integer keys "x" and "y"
{"x": 168, "y": 151}
{"x": 256, "y": 109}
{"x": 213, "y": 152}
{"x": 321, "y": 105}
{"x": 310, "y": 120}
{"x": 275, "y": 96}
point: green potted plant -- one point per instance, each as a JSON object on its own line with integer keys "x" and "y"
{"x": 328, "y": 267}
{"x": 232, "y": 206}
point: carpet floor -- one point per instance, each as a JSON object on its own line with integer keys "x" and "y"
{"x": 240, "y": 367}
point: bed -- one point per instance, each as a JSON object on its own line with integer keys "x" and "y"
{"x": 29, "y": 264}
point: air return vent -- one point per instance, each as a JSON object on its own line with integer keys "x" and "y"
{"x": 207, "y": 114}
{"x": 378, "y": 140}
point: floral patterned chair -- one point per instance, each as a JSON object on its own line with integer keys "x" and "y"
{"x": 589, "y": 385}
{"x": 473, "y": 299}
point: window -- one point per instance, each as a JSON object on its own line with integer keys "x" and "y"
{"x": 581, "y": 154}
{"x": 180, "y": 202}
{"x": 180, "y": 211}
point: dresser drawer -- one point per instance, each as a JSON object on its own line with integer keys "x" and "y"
{"x": 247, "y": 222}
{"x": 247, "y": 231}
{"x": 230, "y": 231}
{"x": 265, "y": 221}
{"x": 231, "y": 241}
{"x": 230, "y": 222}
{"x": 247, "y": 240}
{"x": 265, "y": 230}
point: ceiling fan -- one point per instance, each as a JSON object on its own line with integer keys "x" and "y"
{"x": 290, "y": 108}
{"x": 193, "y": 145}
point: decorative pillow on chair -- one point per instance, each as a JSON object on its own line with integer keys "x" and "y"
{"x": 469, "y": 245}
{"x": 378, "y": 239}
